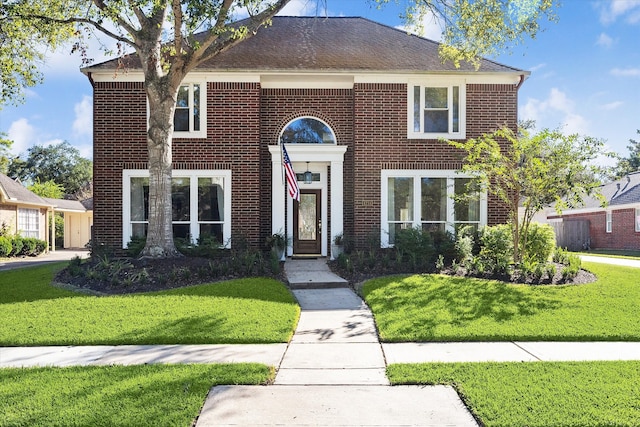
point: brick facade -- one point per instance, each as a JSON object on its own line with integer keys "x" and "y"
{"x": 243, "y": 119}
{"x": 622, "y": 235}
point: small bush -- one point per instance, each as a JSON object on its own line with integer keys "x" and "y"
{"x": 561, "y": 256}
{"x": 496, "y": 253}
{"x": 541, "y": 242}
{"x": 5, "y": 246}
{"x": 414, "y": 245}
{"x": 29, "y": 246}
{"x": 135, "y": 246}
{"x": 570, "y": 271}
{"x": 16, "y": 243}
{"x": 464, "y": 246}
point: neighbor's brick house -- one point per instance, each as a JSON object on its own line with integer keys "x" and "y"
{"x": 616, "y": 226}
{"x": 361, "y": 106}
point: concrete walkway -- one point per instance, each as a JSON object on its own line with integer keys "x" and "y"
{"x": 333, "y": 370}
{"x": 613, "y": 261}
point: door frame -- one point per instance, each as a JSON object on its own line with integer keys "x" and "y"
{"x": 309, "y": 247}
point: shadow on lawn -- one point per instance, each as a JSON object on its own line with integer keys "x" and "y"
{"x": 433, "y": 300}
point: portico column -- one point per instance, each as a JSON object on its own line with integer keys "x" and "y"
{"x": 337, "y": 188}
{"x": 277, "y": 193}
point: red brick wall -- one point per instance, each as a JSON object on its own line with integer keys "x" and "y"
{"x": 242, "y": 120}
{"x": 233, "y": 127}
{"x": 279, "y": 107}
{"x": 380, "y": 142}
{"x": 622, "y": 236}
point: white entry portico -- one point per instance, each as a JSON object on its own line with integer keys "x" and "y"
{"x": 322, "y": 159}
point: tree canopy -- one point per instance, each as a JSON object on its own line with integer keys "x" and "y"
{"x": 533, "y": 170}
{"x": 630, "y": 163}
{"x": 60, "y": 163}
{"x": 171, "y": 38}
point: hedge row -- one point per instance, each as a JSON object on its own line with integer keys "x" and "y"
{"x": 14, "y": 246}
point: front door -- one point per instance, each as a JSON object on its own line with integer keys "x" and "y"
{"x": 307, "y": 223}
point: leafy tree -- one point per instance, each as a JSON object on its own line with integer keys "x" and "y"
{"x": 535, "y": 170}
{"x": 476, "y": 28}
{"x": 5, "y": 146}
{"x": 171, "y": 38}
{"x": 631, "y": 163}
{"x": 49, "y": 189}
{"x": 23, "y": 43}
{"x": 60, "y": 163}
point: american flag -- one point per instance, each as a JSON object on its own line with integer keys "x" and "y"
{"x": 292, "y": 180}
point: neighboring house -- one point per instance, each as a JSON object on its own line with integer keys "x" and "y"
{"x": 78, "y": 220}
{"x": 360, "y": 106}
{"x": 615, "y": 227}
{"x": 23, "y": 212}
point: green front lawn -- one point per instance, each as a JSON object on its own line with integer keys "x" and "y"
{"x": 543, "y": 394}
{"x": 142, "y": 395}
{"x": 445, "y": 308}
{"x": 32, "y": 312}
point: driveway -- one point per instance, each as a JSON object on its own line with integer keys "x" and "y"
{"x": 56, "y": 256}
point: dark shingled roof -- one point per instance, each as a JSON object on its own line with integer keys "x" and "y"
{"x": 303, "y": 44}
{"x": 16, "y": 192}
{"x": 625, "y": 190}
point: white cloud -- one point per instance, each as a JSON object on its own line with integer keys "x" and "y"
{"x": 626, "y": 72}
{"x": 538, "y": 67}
{"x": 22, "y": 134}
{"x": 302, "y": 8}
{"x": 612, "y": 105}
{"x": 556, "y": 110}
{"x": 429, "y": 28}
{"x": 604, "y": 41}
{"x": 83, "y": 123}
{"x": 611, "y": 10}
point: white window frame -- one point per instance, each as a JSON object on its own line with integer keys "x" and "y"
{"x": 436, "y": 82}
{"x": 193, "y": 175}
{"x": 202, "y": 133}
{"x": 417, "y": 176}
{"x": 637, "y": 219}
{"x": 29, "y": 222}
{"x": 609, "y": 221}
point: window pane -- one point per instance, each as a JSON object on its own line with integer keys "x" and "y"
{"x": 181, "y": 231}
{"x": 400, "y": 199}
{"x": 434, "y": 199}
{"x": 181, "y": 120}
{"x": 180, "y": 199}
{"x": 210, "y": 199}
{"x": 196, "y": 107}
{"x": 435, "y": 97}
{"x": 307, "y": 130}
{"x": 394, "y": 229}
{"x": 456, "y": 109}
{"x": 183, "y": 97}
{"x": 436, "y": 121}
{"x": 139, "y": 230}
{"x": 139, "y": 199}
{"x": 469, "y": 208}
{"x": 416, "y": 108}
{"x": 212, "y": 230}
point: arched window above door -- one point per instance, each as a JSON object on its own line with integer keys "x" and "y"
{"x": 307, "y": 130}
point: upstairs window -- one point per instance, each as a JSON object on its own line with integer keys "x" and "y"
{"x": 436, "y": 110}
{"x": 188, "y": 119}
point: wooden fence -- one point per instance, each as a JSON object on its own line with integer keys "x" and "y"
{"x": 573, "y": 235}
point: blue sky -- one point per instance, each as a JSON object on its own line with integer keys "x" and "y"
{"x": 585, "y": 76}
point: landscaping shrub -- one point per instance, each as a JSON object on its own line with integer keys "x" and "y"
{"x": 541, "y": 242}
{"x": 496, "y": 253}
{"x": 415, "y": 246}
{"x": 5, "y": 246}
{"x": 135, "y": 246}
{"x": 29, "y": 246}
{"x": 444, "y": 245}
{"x": 16, "y": 243}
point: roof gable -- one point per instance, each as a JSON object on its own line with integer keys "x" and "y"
{"x": 332, "y": 44}
{"x": 15, "y": 192}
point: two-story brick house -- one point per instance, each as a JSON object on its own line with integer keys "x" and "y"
{"x": 359, "y": 105}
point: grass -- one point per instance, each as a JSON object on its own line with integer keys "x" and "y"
{"x": 543, "y": 394}
{"x": 444, "y": 308}
{"x": 256, "y": 310}
{"x": 143, "y": 395}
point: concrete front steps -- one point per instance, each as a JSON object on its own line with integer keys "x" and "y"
{"x": 311, "y": 273}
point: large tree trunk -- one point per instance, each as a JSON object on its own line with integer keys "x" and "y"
{"x": 162, "y": 101}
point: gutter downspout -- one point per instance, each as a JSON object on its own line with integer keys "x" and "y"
{"x": 520, "y": 82}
